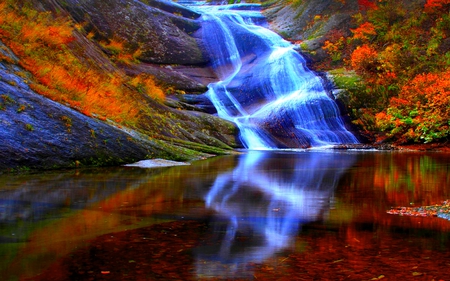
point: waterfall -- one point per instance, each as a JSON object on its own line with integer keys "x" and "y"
{"x": 265, "y": 87}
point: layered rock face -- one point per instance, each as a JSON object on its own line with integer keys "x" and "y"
{"x": 160, "y": 30}
{"x": 310, "y": 21}
{"x": 38, "y": 133}
{"x": 163, "y": 34}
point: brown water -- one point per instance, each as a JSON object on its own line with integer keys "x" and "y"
{"x": 310, "y": 215}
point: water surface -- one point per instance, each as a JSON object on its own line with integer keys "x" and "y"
{"x": 293, "y": 215}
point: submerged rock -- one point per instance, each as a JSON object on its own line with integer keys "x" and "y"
{"x": 155, "y": 163}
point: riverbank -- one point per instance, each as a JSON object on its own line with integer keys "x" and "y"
{"x": 438, "y": 147}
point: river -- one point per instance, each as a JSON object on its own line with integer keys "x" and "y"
{"x": 259, "y": 215}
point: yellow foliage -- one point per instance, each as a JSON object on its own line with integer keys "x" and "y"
{"x": 146, "y": 85}
{"x": 119, "y": 52}
{"x": 114, "y": 46}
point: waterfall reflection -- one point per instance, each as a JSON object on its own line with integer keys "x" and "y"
{"x": 261, "y": 204}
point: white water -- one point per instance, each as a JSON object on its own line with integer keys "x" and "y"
{"x": 265, "y": 87}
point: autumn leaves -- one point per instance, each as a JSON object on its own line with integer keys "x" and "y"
{"x": 45, "y": 47}
{"x": 399, "y": 50}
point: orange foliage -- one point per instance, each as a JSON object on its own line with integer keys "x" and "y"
{"x": 335, "y": 46}
{"x": 422, "y": 110}
{"x": 364, "y": 31}
{"x": 118, "y": 52}
{"x": 431, "y": 89}
{"x": 146, "y": 85}
{"x": 364, "y": 60}
{"x": 41, "y": 43}
{"x": 114, "y": 46}
{"x": 393, "y": 43}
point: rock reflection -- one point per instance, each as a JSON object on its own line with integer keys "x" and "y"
{"x": 37, "y": 197}
{"x": 261, "y": 204}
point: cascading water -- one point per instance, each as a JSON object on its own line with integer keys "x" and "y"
{"x": 265, "y": 87}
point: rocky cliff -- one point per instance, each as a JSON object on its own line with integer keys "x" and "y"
{"x": 309, "y": 22}
{"x": 38, "y": 133}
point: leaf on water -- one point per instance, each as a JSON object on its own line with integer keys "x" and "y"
{"x": 415, "y": 273}
{"x": 336, "y": 261}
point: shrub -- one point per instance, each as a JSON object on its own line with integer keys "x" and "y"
{"x": 422, "y": 110}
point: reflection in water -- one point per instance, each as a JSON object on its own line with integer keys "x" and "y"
{"x": 47, "y": 216}
{"x": 261, "y": 204}
{"x": 259, "y": 201}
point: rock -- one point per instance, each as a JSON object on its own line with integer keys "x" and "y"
{"x": 190, "y": 79}
{"x": 156, "y": 163}
{"x": 37, "y": 133}
{"x": 161, "y": 34}
{"x": 161, "y": 30}
{"x": 311, "y": 21}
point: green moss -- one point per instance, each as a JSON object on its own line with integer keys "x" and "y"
{"x": 29, "y": 127}
{"x": 21, "y": 108}
{"x": 346, "y": 80}
{"x": 6, "y": 99}
{"x": 317, "y": 30}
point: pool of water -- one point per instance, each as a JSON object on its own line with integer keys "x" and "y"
{"x": 261, "y": 215}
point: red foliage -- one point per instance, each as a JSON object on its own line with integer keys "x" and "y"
{"x": 367, "y": 5}
{"x": 432, "y": 6}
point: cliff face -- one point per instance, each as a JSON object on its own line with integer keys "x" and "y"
{"x": 160, "y": 30}
{"x": 310, "y": 21}
{"x": 38, "y": 133}
{"x": 161, "y": 34}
